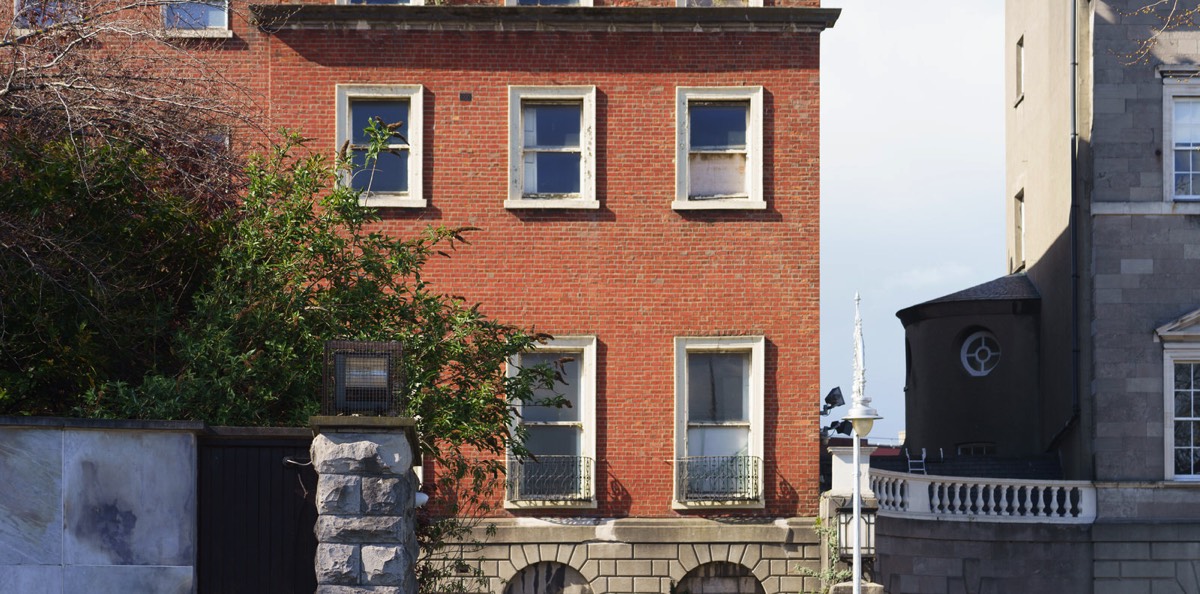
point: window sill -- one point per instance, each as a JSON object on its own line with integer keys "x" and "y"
{"x": 565, "y": 504}
{"x": 198, "y": 33}
{"x": 391, "y": 201}
{"x": 720, "y": 204}
{"x": 717, "y": 505}
{"x": 535, "y": 203}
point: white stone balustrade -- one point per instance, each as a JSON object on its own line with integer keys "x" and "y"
{"x": 919, "y": 496}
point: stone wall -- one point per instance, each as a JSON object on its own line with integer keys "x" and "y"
{"x": 97, "y": 506}
{"x": 653, "y": 554}
{"x": 927, "y": 557}
{"x": 1162, "y": 557}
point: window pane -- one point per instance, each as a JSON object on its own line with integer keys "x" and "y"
{"x": 1183, "y": 376}
{"x": 1183, "y": 434}
{"x": 553, "y": 441}
{"x": 1183, "y": 403}
{"x": 1187, "y": 121}
{"x": 1183, "y": 461}
{"x": 718, "y": 125}
{"x": 718, "y": 441}
{"x": 1181, "y": 184}
{"x": 389, "y": 174}
{"x": 552, "y": 173}
{"x": 194, "y": 15}
{"x": 43, "y": 13}
{"x": 718, "y": 387}
{"x": 568, "y": 388}
{"x": 389, "y": 111}
{"x": 552, "y": 126}
{"x": 716, "y": 174}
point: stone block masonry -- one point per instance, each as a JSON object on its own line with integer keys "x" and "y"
{"x": 365, "y": 494}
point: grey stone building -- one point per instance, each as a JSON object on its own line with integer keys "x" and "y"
{"x": 1094, "y": 361}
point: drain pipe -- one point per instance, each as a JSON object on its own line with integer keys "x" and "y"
{"x": 1073, "y": 227}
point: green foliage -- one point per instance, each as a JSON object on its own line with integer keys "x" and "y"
{"x": 830, "y": 573}
{"x": 98, "y": 259}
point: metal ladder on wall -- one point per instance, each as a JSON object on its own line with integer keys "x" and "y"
{"x": 915, "y": 466}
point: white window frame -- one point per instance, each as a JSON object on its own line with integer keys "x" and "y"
{"x": 756, "y": 347}
{"x": 585, "y": 347}
{"x": 684, "y": 4}
{"x": 1180, "y": 83}
{"x": 221, "y": 31}
{"x": 586, "y": 95}
{"x": 414, "y": 94}
{"x": 1172, "y": 354}
{"x": 754, "y": 199}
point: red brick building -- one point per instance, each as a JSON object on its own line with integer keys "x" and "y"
{"x": 645, "y": 180}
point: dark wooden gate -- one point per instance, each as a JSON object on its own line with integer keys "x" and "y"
{"x": 257, "y": 494}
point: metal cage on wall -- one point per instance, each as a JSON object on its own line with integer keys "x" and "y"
{"x": 362, "y": 378}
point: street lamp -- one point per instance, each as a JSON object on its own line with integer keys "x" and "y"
{"x": 862, "y": 417}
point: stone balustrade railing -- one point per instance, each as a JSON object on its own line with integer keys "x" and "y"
{"x": 920, "y": 496}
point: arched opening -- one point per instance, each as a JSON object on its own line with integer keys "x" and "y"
{"x": 548, "y": 577}
{"x": 719, "y": 578}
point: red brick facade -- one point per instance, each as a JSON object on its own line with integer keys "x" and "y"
{"x": 635, "y": 273}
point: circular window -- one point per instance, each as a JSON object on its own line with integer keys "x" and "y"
{"x": 980, "y": 353}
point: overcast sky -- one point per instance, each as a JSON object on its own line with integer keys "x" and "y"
{"x": 912, "y": 175}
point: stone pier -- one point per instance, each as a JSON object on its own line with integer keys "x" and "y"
{"x": 365, "y": 499}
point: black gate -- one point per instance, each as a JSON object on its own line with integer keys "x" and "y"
{"x": 257, "y": 494}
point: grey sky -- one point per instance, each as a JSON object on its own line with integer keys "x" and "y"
{"x": 912, "y": 175}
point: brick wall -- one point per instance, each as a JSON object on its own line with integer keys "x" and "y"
{"x": 634, "y": 273}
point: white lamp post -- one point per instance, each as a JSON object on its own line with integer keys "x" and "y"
{"x": 863, "y": 417}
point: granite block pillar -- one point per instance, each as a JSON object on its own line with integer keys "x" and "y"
{"x": 365, "y": 499}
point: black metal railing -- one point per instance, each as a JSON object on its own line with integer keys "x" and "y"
{"x": 550, "y": 478}
{"x": 718, "y": 478}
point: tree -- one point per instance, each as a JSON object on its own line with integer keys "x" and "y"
{"x": 302, "y": 264}
{"x": 113, "y": 171}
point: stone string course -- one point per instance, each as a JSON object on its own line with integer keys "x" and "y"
{"x": 654, "y": 555}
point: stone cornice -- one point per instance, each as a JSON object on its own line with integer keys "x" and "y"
{"x": 276, "y": 17}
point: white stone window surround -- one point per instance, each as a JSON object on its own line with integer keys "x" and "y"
{"x": 1180, "y": 83}
{"x": 584, "y": 347}
{"x": 414, "y": 94}
{"x": 756, "y": 347}
{"x": 754, "y": 199}
{"x": 1181, "y": 344}
{"x": 586, "y": 96}
{"x": 217, "y": 31}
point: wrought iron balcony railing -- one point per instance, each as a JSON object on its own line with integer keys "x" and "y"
{"x": 550, "y": 478}
{"x": 718, "y": 478}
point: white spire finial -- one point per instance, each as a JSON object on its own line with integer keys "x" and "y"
{"x": 859, "y": 393}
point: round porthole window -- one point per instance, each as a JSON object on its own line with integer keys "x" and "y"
{"x": 980, "y": 353}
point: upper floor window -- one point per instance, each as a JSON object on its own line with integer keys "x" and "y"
{"x": 980, "y": 353}
{"x": 1019, "y": 74}
{"x": 1181, "y": 396}
{"x": 39, "y": 14}
{"x": 552, "y": 147}
{"x": 395, "y": 178}
{"x": 561, "y": 440}
{"x": 719, "y": 422}
{"x": 196, "y": 19}
{"x": 1181, "y": 132}
{"x": 719, "y": 148}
